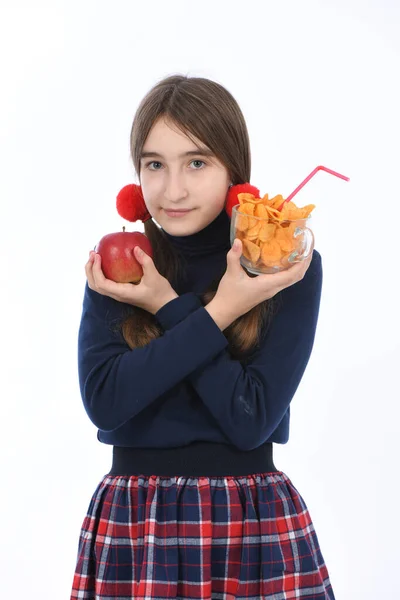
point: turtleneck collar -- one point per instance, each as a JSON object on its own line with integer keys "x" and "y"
{"x": 214, "y": 238}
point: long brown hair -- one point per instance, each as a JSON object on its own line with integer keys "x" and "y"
{"x": 222, "y": 128}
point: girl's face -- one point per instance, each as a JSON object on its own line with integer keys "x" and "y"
{"x": 176, "y": 174}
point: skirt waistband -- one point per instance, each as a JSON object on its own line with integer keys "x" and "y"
{"x": 199, "y": 459}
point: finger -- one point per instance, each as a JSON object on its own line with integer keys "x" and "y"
{"x": 296, "y": 272}
{"x": 89, "y": 271}
{"x": 307, "y": 262}
{"x": 309, "y": 258}
{"x": 233, "y": 257}
{"x": 145, "y": 261}
{"x": 100, "y": 281}
{"x": 281, "y": 279}
{"x": 108, "y": 286}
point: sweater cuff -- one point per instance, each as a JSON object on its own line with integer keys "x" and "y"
{"x": 177, "y": 310}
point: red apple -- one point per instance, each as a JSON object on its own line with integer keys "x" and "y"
{"x": 118, "y": 261}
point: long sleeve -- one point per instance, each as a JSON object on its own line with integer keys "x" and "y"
{"x": 248, "y": 402}
{"x": 117, "y": 383}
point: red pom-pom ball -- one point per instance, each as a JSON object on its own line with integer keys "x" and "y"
{"x": 131, "y": 205}
{"x": 232, "y": 199}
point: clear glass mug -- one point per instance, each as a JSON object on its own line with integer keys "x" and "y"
{"x": 269, "y": 248}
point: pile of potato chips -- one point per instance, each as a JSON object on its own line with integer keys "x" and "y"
{"x": 268, "y": 238}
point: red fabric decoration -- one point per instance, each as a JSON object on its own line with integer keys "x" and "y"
{"x": 232, "y": 199}
{"x": 131, "y": 205}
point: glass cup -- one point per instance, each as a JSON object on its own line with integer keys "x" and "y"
{"x": 268, "y": 247}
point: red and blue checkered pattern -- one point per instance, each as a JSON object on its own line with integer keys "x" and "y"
{"x": 156, "y": 538}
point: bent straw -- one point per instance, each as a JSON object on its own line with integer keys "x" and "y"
{"x": 307, "y": 179}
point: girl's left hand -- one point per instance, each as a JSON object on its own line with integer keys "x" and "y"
{"x": 151, "y": 293}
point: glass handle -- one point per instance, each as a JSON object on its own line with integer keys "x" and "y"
{"x": 307, "y": 245}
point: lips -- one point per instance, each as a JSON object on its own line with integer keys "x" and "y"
{"x": 177, "y": 213}
{"x": 183, "y": 210}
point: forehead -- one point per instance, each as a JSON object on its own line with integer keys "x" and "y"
{"x": 166, "y": 138}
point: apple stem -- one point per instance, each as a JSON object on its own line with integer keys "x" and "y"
{"x": 123, "y": 228}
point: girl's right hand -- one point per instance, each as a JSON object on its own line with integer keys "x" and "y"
{"x": 238, "y": 293}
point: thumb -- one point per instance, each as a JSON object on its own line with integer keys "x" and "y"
{"x": 233, "y": 256}
{"x": 143, "y": 259}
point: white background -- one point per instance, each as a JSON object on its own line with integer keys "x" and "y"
{"x": 318, "y": 84}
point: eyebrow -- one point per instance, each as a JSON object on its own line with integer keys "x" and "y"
{"x": 198, "y": 152}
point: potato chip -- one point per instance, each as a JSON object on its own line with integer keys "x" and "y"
{"x": 244, "y": 197}
{"x": 285, "y": 239}
{"x": 267, "y": 231}
{"x": 247, "y": 208}
{"x": 289, "y": 211}
{"x": 306, "y": 210}
{"x": 261, "y": 211}
{"x": 291, "y": 228}
{"x": 242, "y": 222}
{"x": 273, "y": 213}
{"x": 276, "y": 201}
{"x": 251, "y": 251}
{"x": 240, "y": 235}
{"x": 271, "y": 252}
{"x": 253, "y": 232}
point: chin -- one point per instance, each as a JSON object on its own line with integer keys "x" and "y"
{"x": 181, "y": 229}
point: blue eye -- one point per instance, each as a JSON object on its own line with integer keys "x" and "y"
{"x": 151, "y": 163}
{"x": 198, "y": 161}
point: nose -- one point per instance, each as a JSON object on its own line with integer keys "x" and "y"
{"x": 175, "y": 188}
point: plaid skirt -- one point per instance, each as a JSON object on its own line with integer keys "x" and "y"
{"x": 157, "y": 537}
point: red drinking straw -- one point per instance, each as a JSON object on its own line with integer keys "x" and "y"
{"x": 307, "y": 179}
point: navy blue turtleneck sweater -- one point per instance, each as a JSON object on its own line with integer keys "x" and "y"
{"x": 185, "y": 386}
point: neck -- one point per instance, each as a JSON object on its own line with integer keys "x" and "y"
{"x": 212, "y": 239}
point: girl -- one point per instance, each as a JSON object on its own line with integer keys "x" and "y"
{"x": 189, "y": 376}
